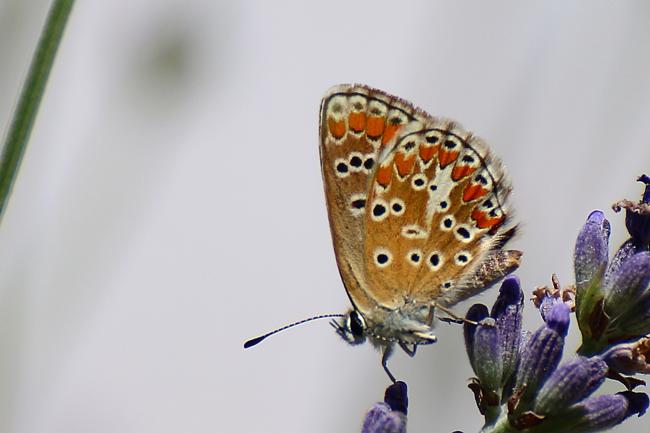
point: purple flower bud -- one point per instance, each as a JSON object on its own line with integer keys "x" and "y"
{"x": 381, "y": 419}
{"x": 605, "y": 411}
{"x": 542, "y": 353}
{"x": 630, "y": 358}
{"x": 507, "y": 312}
{"x": 646, "y": 194}
{"x": 547, "y": 305}
{"x": 487, "y": 355}
{"x": 569, "y": 384}
{"x": 637, "y": 402}
{"x": 390, "y": 416}
{"x": 510, "y": 294}
{"x": 625, "y": 252}
{"x": 476, "y": 313}
{"x": 594, "y": 414}
{"x": 626, "y": 284}
{"x": 558, "y": 318}
{"x": 523, "y": 341}
{"x": 591, "y": 251}
{"x": 637, "y": 217}
{"x": 396, "y": 396}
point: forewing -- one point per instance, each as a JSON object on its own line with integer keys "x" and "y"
{"x": 357, "y": 125}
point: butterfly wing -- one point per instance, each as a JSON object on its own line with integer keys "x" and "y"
{"x": 357, "y": 125}
{"x": 437, "y": 217}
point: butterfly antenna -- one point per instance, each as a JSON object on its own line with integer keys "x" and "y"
{"x": 253, "y": 341}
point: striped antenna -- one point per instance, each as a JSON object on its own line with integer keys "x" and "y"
{"x": 253, "y": 341}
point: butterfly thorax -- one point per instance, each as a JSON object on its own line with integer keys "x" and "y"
{"x": 409, "y": 324}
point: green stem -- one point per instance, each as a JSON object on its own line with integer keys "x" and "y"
{"x": 502, "y": 425}
{"x": 492, "y": 414}
{"x": 30, "y": 97}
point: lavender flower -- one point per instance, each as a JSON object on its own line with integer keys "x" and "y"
{"x": 520, "y": 384}
{"x": 388, "y": 416}
{"x": 535, "y": 393}
{"x": 613, "y": 299}
{"x": 493, "y": 344}
{"x": 507, "y": 311}
{"x": 541, "y": 355}
{"x": 569, "y": 384}
{"x": 595, "y": 414}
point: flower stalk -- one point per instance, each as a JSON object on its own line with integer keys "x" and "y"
{"x": 30, "y": 97}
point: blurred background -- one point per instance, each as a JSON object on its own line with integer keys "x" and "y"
{"x": 170, "y": 203}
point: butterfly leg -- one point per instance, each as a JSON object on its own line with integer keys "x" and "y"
{"x": 410, "y": 350}
{"x": 388, "y": 350}
{"x": 453, "y": 318}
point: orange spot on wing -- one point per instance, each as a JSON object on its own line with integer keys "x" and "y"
{"x": 473, "y": 191}
{"x": 484, "y": 221}
{"x": 384, "y": 174}
{"x": 480, "y": 217}
{"x": 336, "y": 128}
{"x": 375, "y": 126}
{"x": 404, "y": 164}
{"x": 390, "y": 132}
{"x": 357, "y": 121}
{"x": 460, "y": 171}
{"x": 428, "y": 152}
{"x": 447, "y": 157}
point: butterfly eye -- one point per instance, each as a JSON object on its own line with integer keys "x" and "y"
{"x": 356, "y": 324}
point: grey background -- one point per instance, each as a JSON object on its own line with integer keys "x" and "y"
{"x": 170, "y": 203}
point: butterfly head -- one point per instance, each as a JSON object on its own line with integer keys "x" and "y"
{"x": 351, "y": 327}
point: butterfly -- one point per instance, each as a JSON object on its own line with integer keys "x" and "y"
{"x": 419, "y": 216}
{"x": 418, "y": 211}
